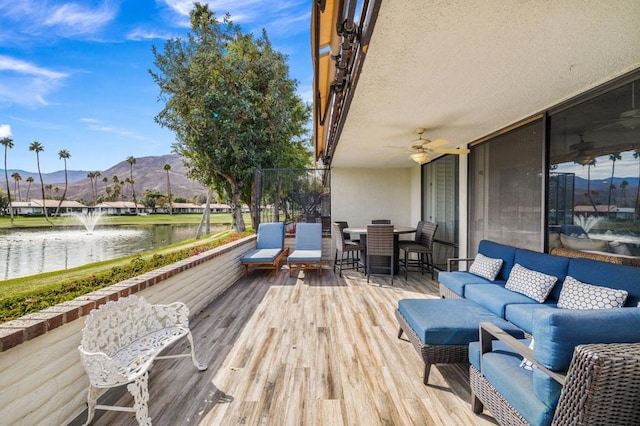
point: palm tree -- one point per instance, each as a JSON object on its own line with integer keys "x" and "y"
{"x": 96, "y": 175}
{"x": 63, "y": 155}
{"x": 29, "y": 181}
{"x": 623, "y": 192}
{"x": 38, "y": 148}
{"x": 8, "y": 143}
{"x": 167, "y": 168}
{"x": 614, "y": 156}
{"x": 636, "y": 155}
{"x": 132, "y": 160}
{"x": 590, "y": 162}
{"x": 16, "y": 184}
{"x": 91, "y": 177}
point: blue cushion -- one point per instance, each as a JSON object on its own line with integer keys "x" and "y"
{"x": 496, "y": 345}
{"x": 499, "y": 251}
{"x": 305, "y": 256}
{"x": 308, "y": 236}
{"x": 522, "y": 314}
{"x": 260, "y": 255}
{"x": 558, "y": 331}
{"x": 449, "y": 321}
{"x": 494, "y": 297}
{"x": 457, "y": 280}
{"x": 270, "y": 236}
{"x": 606, "y": 274}
{"x": 545, "y": 388}
{"x": 515, "y": 384}
{"x": 547, "y": 264}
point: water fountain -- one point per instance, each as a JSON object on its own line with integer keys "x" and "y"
{"x": 88, "y": 220}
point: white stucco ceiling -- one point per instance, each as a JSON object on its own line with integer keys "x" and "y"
{"x": 464, "y": 69}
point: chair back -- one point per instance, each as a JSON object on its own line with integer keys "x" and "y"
{"x": 344, "y": 224}
{"x": 308, "y": 236}
{"x": 270, "y": 236}
{"x": 426, "y": 236}
{"x": 380, "y": 240}
{"x": 337, "y": 232}
{"x": 380, "y": 221}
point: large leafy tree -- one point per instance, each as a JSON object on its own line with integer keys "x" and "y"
{"x": 229, "y": 99}
{"x": 7, "y": 142}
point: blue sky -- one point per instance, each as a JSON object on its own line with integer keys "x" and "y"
{"x": 74, "y": 74}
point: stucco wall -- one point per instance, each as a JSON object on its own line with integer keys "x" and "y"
{"x": 360, "y": 194}
{"x": 41, "y": 378}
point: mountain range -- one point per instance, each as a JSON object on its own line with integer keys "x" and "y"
{"x": 148, "y": 174}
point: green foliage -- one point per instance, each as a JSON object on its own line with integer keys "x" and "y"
{"x": 230, "y": 101}
{"x": 14, "y": 307}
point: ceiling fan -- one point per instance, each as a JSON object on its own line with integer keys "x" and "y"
{"x": 422, "y": 150}
{"x": 629, "y": 118}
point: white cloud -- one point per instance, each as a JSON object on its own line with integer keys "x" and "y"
{"x": 96, "y": 125}
{"x": 5, "y": 130}
{"x": 24, "y": 83}
{"x": 38, "y": 17}
{"x": 143, "y": 34}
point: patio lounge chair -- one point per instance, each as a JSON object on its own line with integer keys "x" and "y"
{"x": 269, "y": 250}
{"x": 307, "y": 252}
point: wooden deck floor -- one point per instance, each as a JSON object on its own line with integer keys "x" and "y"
{"x": 305, "y": 350}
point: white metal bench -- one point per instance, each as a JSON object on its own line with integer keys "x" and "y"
{"x": 121, "y": 340}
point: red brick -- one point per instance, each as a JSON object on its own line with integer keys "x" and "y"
{"x": 10, "y": 337}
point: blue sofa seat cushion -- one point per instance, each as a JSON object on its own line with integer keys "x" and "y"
{"x": 260, "y": 255}
{"x": 621, "y": 277}
{"x": 457, "y": 280}
{"x": 522, "y": 314}
{"x": 449, "y": 321}
{"x": 516, "y": 385}
{"x": 495, "y": 297}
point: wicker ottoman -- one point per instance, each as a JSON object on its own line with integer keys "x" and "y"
{"x": 441, "y": 329}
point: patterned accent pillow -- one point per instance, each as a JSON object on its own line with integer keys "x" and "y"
{"x": 525, "y": 363}
{"x": 486, "y": 267}
{"x": 578, "y": 295}
{"x": 533, "y": 284}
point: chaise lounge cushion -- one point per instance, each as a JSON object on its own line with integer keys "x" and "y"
{"x": 261, "y": 256}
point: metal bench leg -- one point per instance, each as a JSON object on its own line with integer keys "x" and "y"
{"x": 91, "y": 403}
{"x": 140, "y": 391}
{"x": 200, "y": 366}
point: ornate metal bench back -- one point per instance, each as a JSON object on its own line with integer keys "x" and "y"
{"x": 116, "y": 324}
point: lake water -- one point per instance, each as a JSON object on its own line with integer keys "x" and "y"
{"x": 34, "y": 251}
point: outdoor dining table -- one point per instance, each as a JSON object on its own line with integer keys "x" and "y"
{"x": 397, "y": 230}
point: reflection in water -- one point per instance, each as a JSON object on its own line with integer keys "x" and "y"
{"x": 34, "y": 251}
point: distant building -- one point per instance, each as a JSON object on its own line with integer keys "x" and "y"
{"x": 119, "y": 207}
{"x": 36, "y": 207}
{"x": 613, "y": 211}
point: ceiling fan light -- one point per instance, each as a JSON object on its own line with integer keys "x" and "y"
{"x": 420, "y": 157}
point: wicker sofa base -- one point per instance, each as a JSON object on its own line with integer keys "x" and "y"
{"x": 484, "y": 394}
{"x": 446, "y": 293}
{"x": 432, "y": 354}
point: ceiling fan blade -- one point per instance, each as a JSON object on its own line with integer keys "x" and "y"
{"x": 458, "y": 151}
{"x": 436, "y": 143}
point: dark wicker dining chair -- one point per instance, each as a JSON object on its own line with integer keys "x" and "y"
{"x": 381, "y": 221}
{"x": 349, "y": 251}
{"x": 422, "y": 245}
{"x": 380, "y": 243}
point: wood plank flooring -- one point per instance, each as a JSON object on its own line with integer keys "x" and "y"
{"x": 305, "y": 350}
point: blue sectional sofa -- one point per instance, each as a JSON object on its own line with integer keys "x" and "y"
{"x": 530, "y": 395}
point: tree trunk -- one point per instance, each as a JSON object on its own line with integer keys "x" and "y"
{"x": 6, "y": 175}
{"x": 236, "y": 208}
{"x": 205, "y": 214}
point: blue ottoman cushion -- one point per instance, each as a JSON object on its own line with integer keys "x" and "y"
{"x": 449, "y": 321}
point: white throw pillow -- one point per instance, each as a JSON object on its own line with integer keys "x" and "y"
{"x": 533, "y": 284}
{"x": 525, "y": 363}
{"x": 578, "y": 295}
{"x": 486, "y": 267}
